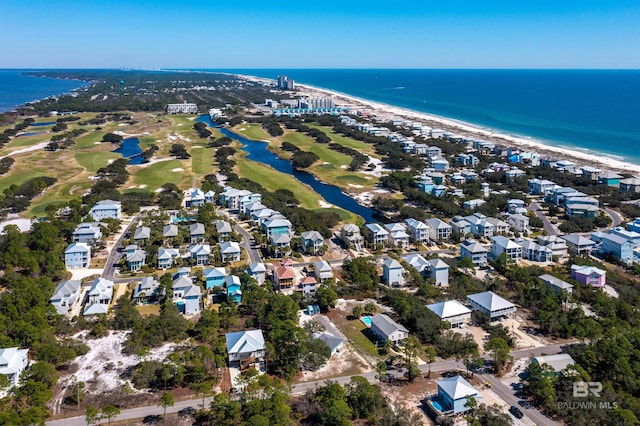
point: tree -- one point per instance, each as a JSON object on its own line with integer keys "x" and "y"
{"x": 499, "y": 350}
{"x": 357, "y": 311}
{"x": 411, "y": 349}
{"x": 166, "y": 400}
{"x": 370, "y": 308}
{"x": 110, "y": 412}
{"x": 326, "y": 297}
{"x": 430, "y": 354}
{"x": 91, "y": 415}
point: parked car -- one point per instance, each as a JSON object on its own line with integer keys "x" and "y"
{"x": 517, "y": 413}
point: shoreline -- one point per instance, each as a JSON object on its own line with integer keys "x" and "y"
{"x": 462, "y": 128}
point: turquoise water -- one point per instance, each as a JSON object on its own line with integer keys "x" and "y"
{"x": 437, "y": 405}
{"x": 366, "y": 321}
{"x": 183, "y": 219}
{"x": 590, "y": 110}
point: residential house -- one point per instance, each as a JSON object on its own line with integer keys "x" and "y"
{"x": 451, "y": 311}
{"x": 167, "y": 257}
{"x": 556, "y": 283}
{"x": 277, "y": 225}
{"x": 438, "y": 229}
{"x": 557, "y": 245}
{"x": 307, "y": 286}
{"x": 284, "y": 275}
{"x": 398, "y": 234}
{"x": 630, "y": 185}
{"x": 258, "y": 272}
{"x": 99, "y": 297}
{"x": 609, "y": 179}
{"x": 253, "y": 208}
{"x": 209, "y": 197}
{"x": 245, "y": 348}
{"x": 77, "y": 256}
{"x": 334, "y": 343}
{"x": 440, "y": 165}
{"x": 146, "y": 291}
{"x": 260, "y": 216}
{"x": 631, "y": 236}
{"x": 540, "y": 186}
{"x": 141, "y": 234}
{"x": 386, "y": 329}
{"x": 634, "y": 226}
{"x": 196, "y": 233}
{"x": 186, "y": 296}
{"x": 453, "y": 394}
{"x": 193, "y": 197}
{"x": 501, "y": 244}
{"x": 534, "y": 251}
{"x": 136, "y": 260}
{"x": 474, "y": 251}
{"x": 480, "y": 227}
{"x": 589, "y": 275}
{"x": 312, "y": 242}
{"x": 418, "y": 262}
{"x": 588, "y": 211}
{"x": 460, "y": 226}
{"x": 515, "y": 205}
{"x": 392, "y": 272}
{"x": 88, "y": 233}
{"x": 473, "y": 204}
{"x": 557, "y": 362}
{"x": 426, "y": 185}
{"x": 494, "y": 306}
{"x": 281, "y": 244}
{"x": 579, "y": 244}
{"x": 615, "y": 245}
{"x": 229, "y": 251}
{"x": 223, "y": 229}
{"x": 322, "y": 271}
{"x": 351, "y": 237}
{"x": 13, "y": 361}
{"x": 214, "y": 277}
{"x": 590, "y": 172}
{"x": 439, "y": 271}
{"x": 378, "y": 236}
{"x": 200, "y": 253}
{"x": 170, "y": 231}
{"x": 499, "y": 226}
{"x": 418, "y": 230}
{"x": 106, "y": 209}
{"x": 234, "y": 293}
{"x": 183, "y": 271}
{"x": 65, "y": 295}
{"x": 439, "y": 191}
{"x": 519, "y": 223}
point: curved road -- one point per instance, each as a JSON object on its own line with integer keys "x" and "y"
{"x": 548, "y": 226}
{"x": 616, "y": 217}
{"x": 300, "y": 388}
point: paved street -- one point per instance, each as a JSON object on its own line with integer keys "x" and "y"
{"x": 616, "y": 218}
{"x": 114, "y": 256}
{"x": 548, "y": 226}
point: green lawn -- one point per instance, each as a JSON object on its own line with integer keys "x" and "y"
{"x": 92, "y": 161}
{"x": 343, "y": 140}
{"x": 252, "y": 131}
{"x": 323, "y": 151}
{"x": 156, "y": 175}
{"x": 202, "y": 160}
{"x": 355, "y": 332}
{"x": 88, "y": 140}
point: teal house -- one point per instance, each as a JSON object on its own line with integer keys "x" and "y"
{"x": 214, "y": 277}
{"x": 234, "y": 294}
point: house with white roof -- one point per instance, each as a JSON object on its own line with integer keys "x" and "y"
{"x": 13, "y": 361}
{"x": 480, "y": 227}
{"x": 65, "y": 295}
{"x": 88, "y": 233}
{"x": 141, "y": 234}
{"x": 234, "y": 293}
{"x": 630, "y": 185}
{"x": 99, "y": 297}
{"x": 499, "y": 226}
{"x": 589, "y": 275}
{"x": 491, "y": 304}
{"x": 558, "y": 361}
{"x": 277, "y": 225}
{"x": 146, "y": 291}
{"x": 167, "y": 257}
{"x": 515, "y": 205}
{"x": 186, "y": 296}
{"x": 418, "y": 262}
{"x": 229, "y": 251}
{"x": 258, "y": 271}
{"x": 616, "y": 245}
{"x": 312, "y": 242}
{"x": 260, "y": 216}
{"x": 245, "y": 347}
{"x": 557, "y": 245}
{"x": 334, "y": 343}
{"x": 453, "y": 394}
{"x": 106, "y": 209}
{"x": 534, "y": 251}
{"x": 136, "y": 260}
{"x": 392, "y": 272}
{"x": 556, "y": 283}
{"x": 418, "y": 230}
{"x": 540, "y": 186}
{"x": 378, "y": 236}
{"x": 200, "y": 253}
{"x": 474, "y": 251}
{"x": 252, "y": 208}
{"x": 460, "y": 226}
{"x": 281, "y": 244}
{"x": 439, "y": 271}
{"x": 438, "y": 229}
{"x": 193, "y": 197}
{"x": 350, "y": 236}
{"x": 578, "y": 244}
{"x": 386, "y": 329}
{"x": 77, "y": 256}
{"x": 451, "y": 311}
{"x": 322, "y": 271}
{"x": 519, "y": 223}
{"x": 170, "y": 231}
{"x": 214, "y": 277}
{"x": 501, "y": 244}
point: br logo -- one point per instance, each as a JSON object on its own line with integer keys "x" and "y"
{"x": 584, "y": 389}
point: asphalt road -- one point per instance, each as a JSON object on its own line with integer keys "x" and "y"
{"x": 548, "y": 226}
{"x": 248, "y": 244}
{"x": 114, "y": 256}
{"x": 615, "y": 216}
{"x": 502, "y": 390}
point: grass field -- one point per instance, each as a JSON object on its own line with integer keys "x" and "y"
{"x": 252, "y": 131}
{"x": 156, "y": 175}
{"x": 343, "y": 140}
{"x": 92, "y": 161}
{"x": 202, "y": 160}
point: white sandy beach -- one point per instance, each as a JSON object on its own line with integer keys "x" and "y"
{"x": 387, "y": 112}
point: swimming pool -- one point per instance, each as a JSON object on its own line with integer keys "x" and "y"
{"x": 436, "y": 405}
{"x": 366, "y": 320}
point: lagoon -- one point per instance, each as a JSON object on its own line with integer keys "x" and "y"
{"x": 130, "y": 148}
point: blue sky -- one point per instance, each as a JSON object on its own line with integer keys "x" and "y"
{"x": 337, "y": 34}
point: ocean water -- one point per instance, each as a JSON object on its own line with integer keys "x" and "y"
{"x": 17, "y": 88}
{"x": 596, "y": 111}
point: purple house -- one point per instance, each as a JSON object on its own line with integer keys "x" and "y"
{"x": 589, "y": 275}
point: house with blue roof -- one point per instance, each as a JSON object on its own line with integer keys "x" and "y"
{"x": 614, "y": 244}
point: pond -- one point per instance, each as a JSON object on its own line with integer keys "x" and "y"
{"x": 130, "y": 148}
{"x": 44, "y": 123}
{"x": 257, "y": 151}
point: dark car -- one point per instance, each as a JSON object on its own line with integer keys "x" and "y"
{"x": 517, "y": 413}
